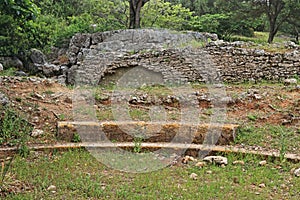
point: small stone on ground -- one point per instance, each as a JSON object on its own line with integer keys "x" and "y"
{"x": 193, "y": 176}
{"x": 216, "y": 159}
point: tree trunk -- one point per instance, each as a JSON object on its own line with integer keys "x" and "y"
{"x": 273, "y": 10}
{"x": 296, "y": 35}
{"x": 137, "y": 19}
{"x": 135, "y": 13}
{"x": 272, "y": 31}
{"x": 271, "y": 37}
{"x": 132, "y": 14}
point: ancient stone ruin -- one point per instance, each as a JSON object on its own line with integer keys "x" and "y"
{"x": 92, "y": 56}
{"x": 172, "y": 56}
{"x": 178, "y": 57}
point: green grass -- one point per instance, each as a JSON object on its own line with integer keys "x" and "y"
{"x": 61, "y": 117}
{"x": 104, "y": 114}
{"x": 139, "y": 114}
{"x": 8, "y": 72}
{"x": 14, "y": 128}
{"x": 252, "y": 117}
{"x": 156, "y": 90}
{"x": 261, "y": 38}
{"x": 49, "y": 92}
{"x": 277, "y": 137}
{"x": 193, "y": 44}
{"x": 78, "y": 175}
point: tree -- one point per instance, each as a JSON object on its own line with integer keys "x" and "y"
{"x": 220, "y": 24}
{"x": 273, "y": 10}
{"x": 161, "y": 14}
{"x": 252, "y": 12}
{"x": 292, "y": 24}
{"x": 15, "y": 21}
{"x": 135, "y": 12}
{"x": 61, "y": 19}
{"x": 199, "y": 7}
{"x": 225, "y": 17}
{"x": 277, "y": 12}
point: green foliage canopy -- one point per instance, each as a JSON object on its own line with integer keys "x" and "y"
{"x": 16, "y": 33}
{"x": 161, "y": 14}
{"x": 43, "y": 23}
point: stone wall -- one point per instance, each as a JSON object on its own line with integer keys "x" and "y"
{"x": 237, "y": 62}
{"x": 176, "y": 56}
{"x": 93, "y": 55}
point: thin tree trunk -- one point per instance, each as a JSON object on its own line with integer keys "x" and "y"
{"x": 272, "y": 33}
{"x": 296, "y": 35}
{"x": 135, "y": 12}
{"x": 132, "y": 14}
{"x": 271, "y": 37}
{"x": 273, "y": 10}
{"x": 138, "y": 14}
{"x": 273, "y": 29}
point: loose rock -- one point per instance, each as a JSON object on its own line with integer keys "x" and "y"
{"x": 4, "y": 99}
{"x": 290, "y": 81}
{"x": 238, "y": 162}
{"x": 8, "y": 62}
{"x": 262, "y": 185}
{"x": 35, "y": 119}
{"x": 37, "y": 56}
{"x": 216, "y": 159}
{"x": 200, "y": 164}
{"x": 186, "y": 159}
{"x": 193, "y": 176}
{"x": 50, "y": 69}
{"x": 20, "y": 73}
{"x": 263, "y": 163}
{"x": 297, "y": 172}
{"x": 51, "y": 188}
{"x": 37, "y": 132}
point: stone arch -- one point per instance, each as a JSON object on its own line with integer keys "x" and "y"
{"x": 94, "y": 55}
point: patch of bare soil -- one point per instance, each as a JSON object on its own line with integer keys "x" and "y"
{"x": 44, "y": 102}
{"x": 265, "y": 105}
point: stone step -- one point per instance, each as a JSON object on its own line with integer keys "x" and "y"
{"x": 152, "y": 132}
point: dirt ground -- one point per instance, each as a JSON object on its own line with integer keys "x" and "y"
{"x": 44, "y": 102}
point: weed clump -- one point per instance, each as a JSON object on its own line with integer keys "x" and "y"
{"x": 14, "y": 129}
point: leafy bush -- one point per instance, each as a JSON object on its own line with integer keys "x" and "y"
{"x": 222, "y": 24}
{"x": 213, "y": 23}
{"x": 61, "y": 20}
{"x": 160, "y": 14}
{"x": 14, "y": 18}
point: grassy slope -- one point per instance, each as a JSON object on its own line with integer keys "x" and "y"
{"x": 77, "y": 175}
{"x": 260, "y": 41}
